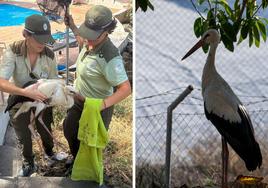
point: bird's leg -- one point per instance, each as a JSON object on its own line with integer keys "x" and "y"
{"x": 225, "y": 158}
{"x": 31, "y": 127}
{"x": 40, "y": 119}
{"x": 35, "y": 135}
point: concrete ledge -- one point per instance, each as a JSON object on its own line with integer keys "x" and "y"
{"x": 9, "y": 162}
{"x": 4, "y": 118}
{"x": 55, "y": 182}
{"x": 44, "y": 182}
{"x": 7, "y": 182}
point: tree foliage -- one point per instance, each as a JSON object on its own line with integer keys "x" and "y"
{"x": 144, "y": 4}
{"x": 235, "y": 22}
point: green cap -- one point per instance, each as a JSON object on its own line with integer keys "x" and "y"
{"x": 39, "y": 27}
{"x": 97, "y": 19}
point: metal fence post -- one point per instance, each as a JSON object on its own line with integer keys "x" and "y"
{"x": 170, "y": 109}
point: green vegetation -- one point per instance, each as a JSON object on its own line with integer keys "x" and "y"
{"x": 239, "y": 19}
{"x": 144, "y": 4}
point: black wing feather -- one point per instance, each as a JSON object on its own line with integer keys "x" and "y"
{"x": 15, "y": 99}
{"x": 240, "y": 137}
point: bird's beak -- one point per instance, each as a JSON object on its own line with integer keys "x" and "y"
{"x": 72, "y": 93}
{"x": 194, "y": 48}
{"x": 70, "y": 90}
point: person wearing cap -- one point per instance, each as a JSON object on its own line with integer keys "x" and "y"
{"x": 24, "y": 61}
{"x": 99, "y": 69}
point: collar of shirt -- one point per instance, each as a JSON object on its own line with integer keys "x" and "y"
{"x": 96, "y": 50}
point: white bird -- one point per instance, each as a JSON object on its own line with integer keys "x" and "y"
{"x": 58, "y": 94}
{"x": 56, "y": 91}
{"x": 226, "y": 112}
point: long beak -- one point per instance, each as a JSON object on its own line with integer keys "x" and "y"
{"x": 194, "y": 48}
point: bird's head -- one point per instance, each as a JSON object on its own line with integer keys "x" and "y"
{"x": 211, "y": 37}
{"x": 69, "y": 90}
{"x": 69, "y": 93}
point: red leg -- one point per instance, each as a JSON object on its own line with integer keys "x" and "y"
{"x": 35, "y": 134}
{"x": 225, "y": 158}
{"x": 40, "y": 119}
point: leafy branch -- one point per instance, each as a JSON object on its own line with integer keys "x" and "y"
{"x": 143, "y": 4}
{"x": 197, "y": 10}
{"x": 241, "y": 20}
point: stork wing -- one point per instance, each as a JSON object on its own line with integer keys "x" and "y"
{"x": 240, "y": 136}
{"x": 222, "y": 103}
{"x": 25, "y": 107}
{"x": 15, "y": 99}
{"x": 233, "y": 123}
{"x": 39, "y": 107}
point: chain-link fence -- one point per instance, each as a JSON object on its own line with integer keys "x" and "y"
{"x": 163, "y": 36}
{"x": 196, "y": 149}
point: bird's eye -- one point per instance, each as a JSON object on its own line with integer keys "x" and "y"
{"x": 206, "y": 36}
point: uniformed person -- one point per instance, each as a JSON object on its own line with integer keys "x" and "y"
{"x": 99, "y": 68}
{"x": 25, "y": 61}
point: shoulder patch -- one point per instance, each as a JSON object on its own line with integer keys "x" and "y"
{"x": 108, "y": 51}
{"x": 49, "y": 53}
{"x": 18, "y": 47}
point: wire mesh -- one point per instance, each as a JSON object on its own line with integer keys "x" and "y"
{"x": 163, "y": 36}
{"x": 196, "y": 149}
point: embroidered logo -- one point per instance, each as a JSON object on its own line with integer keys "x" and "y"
{"x": 119, "y": 68}
{"x": 45, "y": 26}
{"x": 91, "y": 21}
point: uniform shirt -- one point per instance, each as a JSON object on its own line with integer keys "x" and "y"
{"x": 16, "y": 64}
{"x": 99, "y": 71}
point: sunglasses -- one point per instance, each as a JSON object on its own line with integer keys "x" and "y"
{"x": 34, "y": 76}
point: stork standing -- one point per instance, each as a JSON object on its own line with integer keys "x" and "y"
{"x": 226, "y": 112}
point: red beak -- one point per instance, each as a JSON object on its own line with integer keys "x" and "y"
{"x": 194, "y": 48}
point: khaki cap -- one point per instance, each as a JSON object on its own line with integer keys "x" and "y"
{"x": 40, "y": 29}
{"x": 97, "y": 19}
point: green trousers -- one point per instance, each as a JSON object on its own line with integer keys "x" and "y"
{"x": 23, "y": 133}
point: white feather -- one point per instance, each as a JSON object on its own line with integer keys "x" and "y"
{"x": 58, "y": 93}
{"x": 219, "y": 102}
{"x": 25, "y": 107}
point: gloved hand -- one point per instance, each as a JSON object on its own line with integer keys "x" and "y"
{"x": 69, "y": 21}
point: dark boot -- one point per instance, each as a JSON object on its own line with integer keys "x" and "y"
{"x": 28, "y": 168}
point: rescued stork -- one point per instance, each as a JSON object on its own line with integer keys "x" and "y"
{"x": 58, "y": 94}
{"x": 226, "y": 112}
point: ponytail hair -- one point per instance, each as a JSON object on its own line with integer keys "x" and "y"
{"x": 110, "y": 28}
